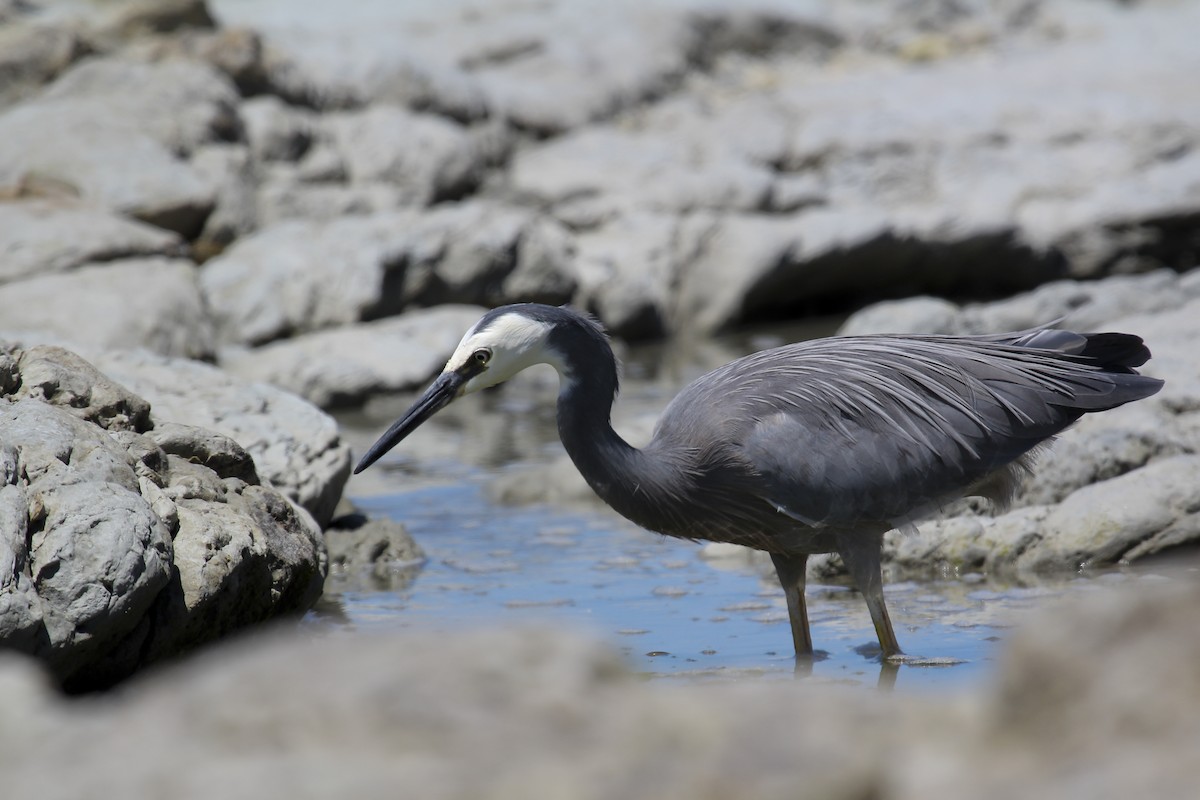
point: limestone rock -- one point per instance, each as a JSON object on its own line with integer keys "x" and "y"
{"x": 119, "y": 548}
{"x": 348, "y": 365}
{"x": 118, "y": 166}
{"x": 427, "y": 157}
{"x": 180, "y": 103}
{"x": 277, "y": 282}
{"x": 143, "y": 302}
{"x": 295, "y": 447}
{"x": 61, "y": 378}
{"x": 32, "y": 240}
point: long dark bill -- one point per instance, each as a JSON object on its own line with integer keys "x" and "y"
{"x": 436, "y": 397}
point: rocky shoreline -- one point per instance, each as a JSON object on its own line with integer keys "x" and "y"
{"x": 221, "y": 220}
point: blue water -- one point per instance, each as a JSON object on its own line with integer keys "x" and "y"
{"x": 672, "y": 613}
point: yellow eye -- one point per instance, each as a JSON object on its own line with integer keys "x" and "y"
{"x": 482, "y": 356}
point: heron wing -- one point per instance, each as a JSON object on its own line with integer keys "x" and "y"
{"x": 884, "y": 428}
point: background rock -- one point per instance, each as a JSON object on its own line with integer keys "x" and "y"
{"x": 118, "y": 166}
{"x": 426, "y": 157}
{"x": 275, "y": 283}
{"x": 32, "y": 55}
{"x": 180, "y": 103}
{"x": 32, "y": 241}
{"x": 153, "y": 303}
{"x": 346, "y": 366}
{"x": 723, "y": 165}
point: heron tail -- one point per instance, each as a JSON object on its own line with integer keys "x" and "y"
{"x": 1117, "y": 355}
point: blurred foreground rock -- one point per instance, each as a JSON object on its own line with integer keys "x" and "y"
{"x": 1097, "y": 700}
{"x": 126, "y": 539}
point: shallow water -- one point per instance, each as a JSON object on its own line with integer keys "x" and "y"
{"x": 672, "y": 612}
{"x": 676, "y": 614}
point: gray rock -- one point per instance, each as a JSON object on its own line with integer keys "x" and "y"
{"x": 348, "y": 365}
{"x": 278, "y": 282}
{"x": 799, "y": 178}
{"x": 118, "y": 549}
{"x": 558, "y": 483}
{"x": 544, "y": 269}
{"x": 1131, "y": 516}
{"x": 32, "y": 55}
{"x": 295, "y": 447}
{"x": 547, "y": 69}
{"x": 901, "y": 198}
{"x": 427, "y": 157}
{"x": 958, "y": 545}
{"x": 562, "y": 66}
{"x": 61, "y": 378}
{"x": 243, "y": 554}
{"x": 115, "y": 23}
{"x": 180, "y": 103}
{"x": 99, "y": 562}
{"x": 307, "y": 63}
{"x": 231, "y": 170}
{"x": 1101, "y": 447}
{"x": 1079, "y": 701}
{"x": 129, "y": 160}
{"x": 34, "y": 238}
{"x": 22, "y": 626}
{"x": 1085, "y": 305}
{"x": 147, "y": 302}
{"x": 491, "y": 255}
{"x": 117, "y": 166}
{"x": 614, "y": 169}
{"x": 292, "y": 192}
{"x": 732, "y": 255}
{"x": 236, "y": 52}
{"x": 1075, "y": 709}
{"x": 627, "y": 270}
{"x": 98, "y": 555}
{"x": 912, "y": 315}
{"x": 377, "y": 544}
{"x": 377, "y": 554}
{"x": 276, "y": 131}
{"x": 1081, "y": 305}
{"x": 225, "y": 457}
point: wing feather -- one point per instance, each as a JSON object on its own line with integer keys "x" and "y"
{"x": 843, "y": 430}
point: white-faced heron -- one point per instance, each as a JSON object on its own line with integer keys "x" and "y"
{"x": 814, "y": 447}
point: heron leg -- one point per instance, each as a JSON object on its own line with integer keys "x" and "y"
{"x": 861, "y": 552}
{"x": 791, "y": 572}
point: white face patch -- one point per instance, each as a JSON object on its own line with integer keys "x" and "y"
{"x": 515, "y": 341}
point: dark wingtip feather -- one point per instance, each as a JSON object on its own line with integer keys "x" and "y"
{"x": 1112, "y": 352}
{"x": 1116, "y": 352}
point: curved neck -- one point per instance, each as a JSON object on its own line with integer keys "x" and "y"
{"x": 634, "y": 482}
{"x": 585, "y": 404}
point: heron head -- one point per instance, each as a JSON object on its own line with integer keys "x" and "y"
{"x": 504, "y": 342}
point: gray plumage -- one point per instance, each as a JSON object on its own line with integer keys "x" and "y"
{"x": 813, "y": 447}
